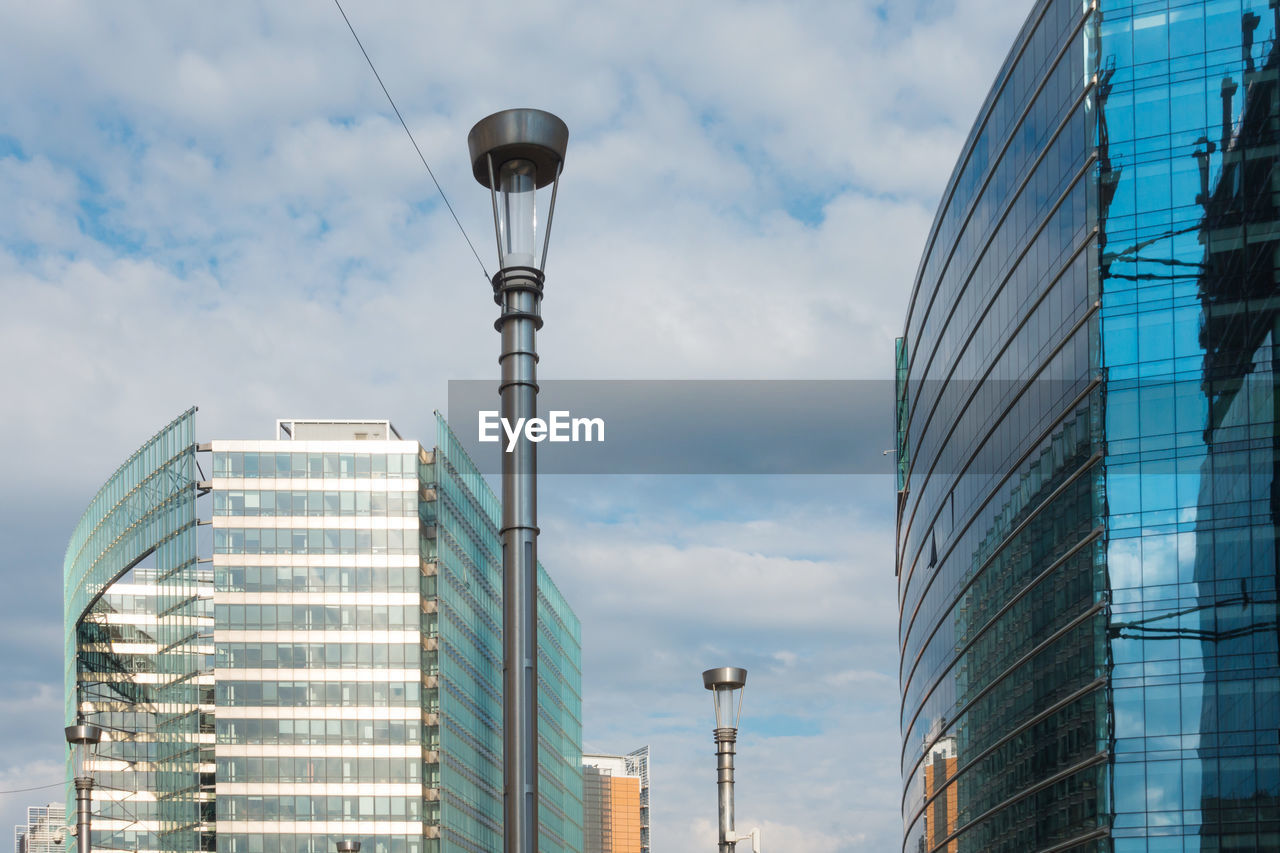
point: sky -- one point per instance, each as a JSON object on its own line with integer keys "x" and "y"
{"x": 213, "y": 205}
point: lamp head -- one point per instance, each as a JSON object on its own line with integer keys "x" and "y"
{"x": 514, "y": 153}
{"x": 83, "y": 733}
{"x": 536, "y": 136}
{"x": 83, "y": 738}
{"x": 726, "y": 683}
{"x": 348, "y": 847}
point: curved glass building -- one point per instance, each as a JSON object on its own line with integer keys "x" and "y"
{"x": 1088, "y": 447}
{"x": 135, "y": 647}
{"x": 298, "y": 641}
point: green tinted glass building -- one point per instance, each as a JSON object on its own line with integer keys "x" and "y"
{"x": 340, "y": 649}
{"x": 1089, "y": 446}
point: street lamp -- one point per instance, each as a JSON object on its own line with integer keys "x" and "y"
{"x": 726, "y": 683}
{"x": 514, "y": 153}
{"x": 348, "y": 847}
{"x": 83, "y": 738}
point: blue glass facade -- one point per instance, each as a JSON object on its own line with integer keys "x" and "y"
{"x": 1188, "y": 270}
{"x": 1087, "y": 438}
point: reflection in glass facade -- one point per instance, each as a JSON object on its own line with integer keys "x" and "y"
{"x": 343, "y": 653}
{"x": 136, "y": 640}
{"x": 1088, "y": 447}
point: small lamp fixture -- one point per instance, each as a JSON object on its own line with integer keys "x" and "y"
{"x": 726, "y": 683}
{"x": 348, "y": 847}
{"x": 83, "y": 738}
{"x": 514, "y": 153}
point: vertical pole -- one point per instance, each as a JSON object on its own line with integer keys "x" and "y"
{"x": 725, "y": 740}
{"x": 84, "y": 814}
{"x": 518, "y": 290}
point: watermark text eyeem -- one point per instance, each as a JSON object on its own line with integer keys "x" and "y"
{"x": 559, "y": 426}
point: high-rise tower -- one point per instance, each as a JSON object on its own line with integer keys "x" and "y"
{"x": 615, "y": 801}
{"x": 1089, "y": 445}
{"x": 298, "y": 641}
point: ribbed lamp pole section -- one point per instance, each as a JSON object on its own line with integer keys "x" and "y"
{"x": 82, "y": 738}
{"x": 726, "y": 683}
{"x": 513, "y": 154}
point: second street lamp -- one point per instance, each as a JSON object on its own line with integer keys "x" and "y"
{"x": 514, "y": 153}
{"x": 725, "y": 684}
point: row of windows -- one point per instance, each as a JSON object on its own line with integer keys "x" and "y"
{"x": 1052, "y": 744}
{"x": 1157, "y": 562}
{"x": 1044, "y": 43}
{"x": 1047, "y": 608}
{"x": 322, "y": 732}
{"x": 1055, "y": 744}
{"x": 1024, "y": 418}
{"x": 1148, "y": 42}
{"x": 272, "y": 540}
{"x": 968, "y": 405}
{"x": 1045, "y": 819}
{"x": 125, "y": 839}
{"x": 1047, "y": 536}
{"x": 992, "y": 237}
{"x": 314, "y": 503}
{"x": 1053, "y": 673}
{"x": 963, "y": 295}
{"x": 1049, "y": 309}
{"x": 309, "y": 769}
{"x": 1193, "y": 784}
{"x": 314, "y": 465}
{"x": 318, "y": 617}
{"x": 304, "y": 694}
{"x": 316, "y": 578}
{"x": 1240, "y": 704}
{"x": 1155, "y": 491}
{"x": 317, "y": 656}
{"x": 251, "y": 807}
{"x": 232, "y": 842}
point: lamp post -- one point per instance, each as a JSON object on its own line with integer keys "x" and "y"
{"x": 726, "y": 683}
{"x": 513, "y": 154}
{"x": 82, "y": 738}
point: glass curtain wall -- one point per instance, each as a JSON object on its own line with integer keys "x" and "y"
{"x": 1087, "y": 566}
{"x": 359, "y": 654}
{"x": 319, "y": 629}
{"x": 1000, "y": 532}
{"x": 133, "y": 666}
{"x": 1189, "y": 309}
{"x": 469, "y": 597}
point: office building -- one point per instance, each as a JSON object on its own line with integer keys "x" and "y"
{"x": 298, "y": 641}
{"x": 940, "y": 816}
{"x": 42, "y": 833}
{"x": 1088, "y": 447}
{"x": 615, "y": 800}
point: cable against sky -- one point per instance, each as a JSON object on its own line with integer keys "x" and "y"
{"x": 391, "y": 101}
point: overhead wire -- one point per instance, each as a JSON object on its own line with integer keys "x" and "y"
{"x": 35, "y": 788}
{"x": 391, "y": 101}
